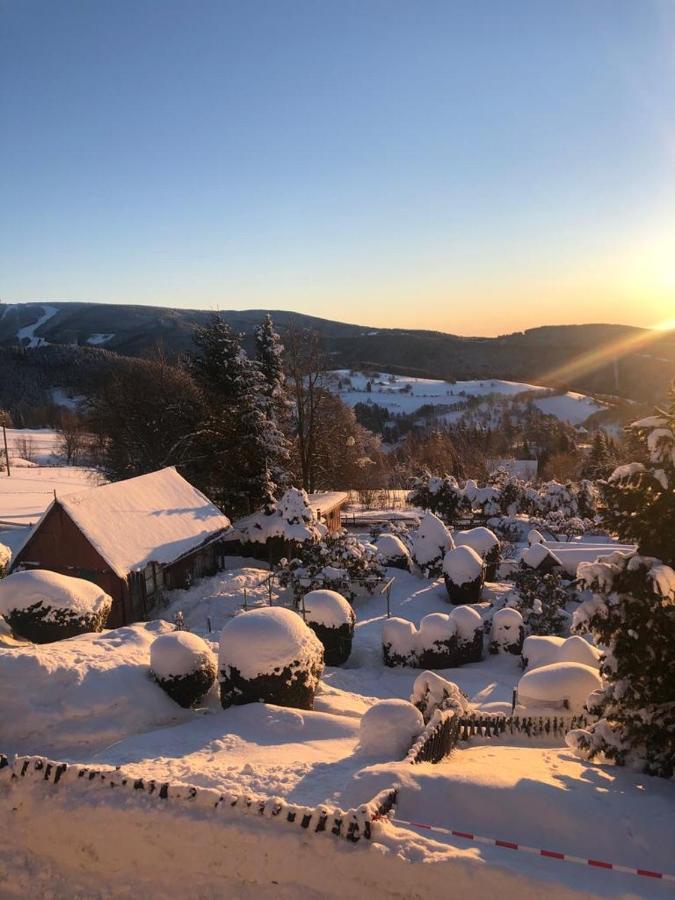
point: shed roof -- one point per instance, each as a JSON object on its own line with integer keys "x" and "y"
{"x": 157, "y": 517}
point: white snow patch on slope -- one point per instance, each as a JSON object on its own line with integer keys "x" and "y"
{"x": 27, "y": 336}
{"x": 99, "y": 338}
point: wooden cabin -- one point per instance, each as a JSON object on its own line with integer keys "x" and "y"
{"x": 135, "y": 538}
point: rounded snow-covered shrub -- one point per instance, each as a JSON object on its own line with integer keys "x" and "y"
{"x": 430, "y": 544}
{"x": 576, "y": 649}
{"x": 539, "y": 557}
{"x": 508, "y": 632}
{"x": 469, "y": 631}
{"x": 431, "y": 692}
{"x": 464, "y": 575}
{"x": 393, "y": 552}
{"x": 269, "y": 655}
{"x": 486, "y": 544}
{"x": 44, "y": 606}
{"x": 436, "y": 642}
{"x": 388, "y": 729}
{"x": 183, "y": 665}
{"x": 558, "y": 685}
{"x": 540, "y": 650}
{"x": 332, "y": 619}
{"x": 399, "y": 642}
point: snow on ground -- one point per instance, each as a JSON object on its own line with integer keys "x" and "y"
{"x": 97, "y": 339}
{"x": 35, "y": 445}
{"x": 27, "y": 335}
{"x": 28, "y": 492}
{"x": 571, "y": 407}
{"x": 258, "y": 749}
{"x": 508, "y": 788}
{"x": 400, "y": 394}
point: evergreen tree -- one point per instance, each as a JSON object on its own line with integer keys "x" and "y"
{"x": 599, "y": 462}
{"x": 246, "y": 453}
{"x": 270, "y": 359}
{"x": 639, "y": 498}
{"x": 632, "y": 611}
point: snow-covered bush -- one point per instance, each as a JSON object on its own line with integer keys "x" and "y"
{"x": 393, "y": 552}
{"x": 632, "y": 617}
{"x": 183, "y": 665}
{"x": 431, "y": 692}
{"x": 541, "y": 650}
{"x": 469, "y": 630}
{"x": 464, "y": 574}
{"x": 5, "y": 556}
{"x": 269, "y": 655}
{"x": 332, "y": 619}
{"x": 290, "y": 518}
{"x": 43, "y": 606}
{"x": 508, "y": 632}
{"x": 430, "y": 544}
{"x": 339, "y": 562}
{"x": 482, "y": 501}
{"x": 566, "y": 685}
{"x": 540, "y": 597}
{"x": 486, "y": 544}
{"x": 441, "y": 495}
{"x": 388, "y": 729}
{"x": 441, "y": 642}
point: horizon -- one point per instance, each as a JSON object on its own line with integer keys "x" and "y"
{"x": 663, "y": 328}
{"x": 477, "y": 171}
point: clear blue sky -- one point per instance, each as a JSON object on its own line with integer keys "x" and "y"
{"x": 475, "y": 167}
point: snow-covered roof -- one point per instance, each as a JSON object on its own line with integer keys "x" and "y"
{"x": 323, "y": 502}
{"x": 151, "y": 518}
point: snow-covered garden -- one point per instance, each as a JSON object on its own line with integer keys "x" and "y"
{"x": 527, "y": 629}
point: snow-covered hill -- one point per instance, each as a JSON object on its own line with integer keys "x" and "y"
{"x": 405, "y": 395}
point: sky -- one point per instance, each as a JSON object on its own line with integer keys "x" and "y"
{"x": 466, "y": 166}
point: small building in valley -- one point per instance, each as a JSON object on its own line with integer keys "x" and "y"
{"x": 134, "y": 538}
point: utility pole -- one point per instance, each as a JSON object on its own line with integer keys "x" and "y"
{"x": 4, "y": 434}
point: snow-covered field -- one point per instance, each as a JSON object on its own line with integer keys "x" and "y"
{"x": 91, "y": 700}
{"x": 401, "y": 394}
{"x": 28, "y": 492}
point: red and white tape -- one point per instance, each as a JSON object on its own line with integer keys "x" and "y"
{"x": 547, "y": 854}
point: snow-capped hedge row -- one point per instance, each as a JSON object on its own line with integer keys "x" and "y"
{"x": 506, "y": 495}
{"x": 441, "y": 642}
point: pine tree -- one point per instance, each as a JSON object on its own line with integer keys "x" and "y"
{"x": 245, "y": 450}
{"x": 640, "y": 497}
{"x": 599, "y": 463}
{"x": 269, "y": 356}
{"x": 632, "y": 611}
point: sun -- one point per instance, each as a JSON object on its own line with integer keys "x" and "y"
{"x": 666, "y": 325}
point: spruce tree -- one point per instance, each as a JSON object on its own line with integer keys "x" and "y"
{"x": 245, "y": 452}
{"x": 269, "y": 356}
{"x": 632, "y": 612}
{"x": 639, "y": 498}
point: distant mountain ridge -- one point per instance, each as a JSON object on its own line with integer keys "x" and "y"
{"x": 597, "y": 359}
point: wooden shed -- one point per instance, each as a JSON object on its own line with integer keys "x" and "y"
{"x": 134, "y": 538}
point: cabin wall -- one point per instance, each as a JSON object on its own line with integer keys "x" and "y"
{"x": 59, "y": 545}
